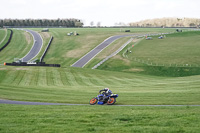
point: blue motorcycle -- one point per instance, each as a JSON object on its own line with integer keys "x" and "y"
{"x": 102, "y": 99}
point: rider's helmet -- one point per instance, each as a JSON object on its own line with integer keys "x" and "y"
{"x": 108, "y": 90}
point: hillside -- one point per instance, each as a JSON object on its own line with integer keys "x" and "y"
{"x": 168, "y": 22}
{"x": 78, "y": 85}
{"x": 175, "y": 55}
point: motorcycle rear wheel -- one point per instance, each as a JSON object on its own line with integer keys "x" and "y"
{"x": 111, "y": 101}
{"x": 93, "y": 101}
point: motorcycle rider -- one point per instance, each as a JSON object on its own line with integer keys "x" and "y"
{"x": 106, "y": 93}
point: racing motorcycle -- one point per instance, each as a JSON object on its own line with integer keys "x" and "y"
{"x": 100, "y": 99}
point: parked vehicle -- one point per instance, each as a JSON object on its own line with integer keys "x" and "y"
{"x": 149, "y": 38}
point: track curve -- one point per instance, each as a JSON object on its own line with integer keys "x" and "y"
{"x": 37, "y": 45}
{"x": 44, "y": 103}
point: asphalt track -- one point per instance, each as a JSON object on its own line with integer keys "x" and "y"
{"x": 43, "y": 103}
{"x": 37, "y": 45}
{"x": 85, "y": 59}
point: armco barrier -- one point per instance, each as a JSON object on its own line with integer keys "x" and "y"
{"x": 8, "y": 40}
{"x": 37, "y": 64}
{"x": 46, "y": 49}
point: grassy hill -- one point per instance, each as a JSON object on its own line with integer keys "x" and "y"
{"x": 19, "y": 46}
{"x": 175, "y": 55}
{"x": 72, "y": 85}
{"x": 75, "y": 85}
{"x": 66, "y": 50}
{"x": 4, "y": 36}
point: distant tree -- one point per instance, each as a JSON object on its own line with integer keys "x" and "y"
{"x": 98, "y": 24}
{"x": 91, "y": 23}
{"x": 41, "y": 22}
{"x": 192, "y": 25}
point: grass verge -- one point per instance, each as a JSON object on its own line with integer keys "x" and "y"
{"x": 98, "y": 119}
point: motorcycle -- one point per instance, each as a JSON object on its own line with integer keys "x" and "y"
{"x": 100, "y": 99}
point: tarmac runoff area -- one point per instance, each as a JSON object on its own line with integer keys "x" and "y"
{"x": 43, "y": 103}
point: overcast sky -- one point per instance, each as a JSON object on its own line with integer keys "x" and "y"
{"x": 108, "y": 12}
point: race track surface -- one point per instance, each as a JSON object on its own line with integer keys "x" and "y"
{"x": 85, "y": 59}
{"x": 37, "y": 45}
{"x": 43, "y": 103}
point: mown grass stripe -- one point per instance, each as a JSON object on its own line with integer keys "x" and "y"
{"x": 64, "y": 78}
{"x": 85, "y": 79}
{"x": 26, "y": 79}
{"x": 71, "y": 78}
{"x": 57, "y": 77}
{"x": 107, "y": 80}
{"x": 2, "y": 75}
{"x": 34, "y": 79}
{"x": 19, "y": 77}
{"x": 42, "y": 80}
{"x": 78, "y": 79}
{"x": 100, "y": 81}
{"x": 93, "y": 80}
{"x": 49, "y": 77}
{"x": 10, "y": 76}
{"x": 121, "y": 81}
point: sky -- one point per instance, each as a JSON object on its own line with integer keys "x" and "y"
{"x": 107, "y": 12}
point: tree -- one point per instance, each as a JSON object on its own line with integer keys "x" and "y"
{"x": 41, "y": 22}
{"x": 98, "y": 24}
{"x": 91, "y": 23}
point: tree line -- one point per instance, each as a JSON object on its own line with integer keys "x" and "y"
{"x": 168, "y": 22}
{"x": 41, "y": 22}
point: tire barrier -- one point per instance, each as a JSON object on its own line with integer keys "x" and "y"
{"x": 7, "y": 41}
{"x": 41, "y": 59}
{"x": 32, "y": 64}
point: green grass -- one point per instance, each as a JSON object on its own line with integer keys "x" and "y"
{"x": 177, "y": 49}
{"x": 176, "y": 55}
{"x": 17, "y": 48}
{"x": 2, "y": 34}
{"x": 128, "y": 78}
{"x": 66, "y": 50}
{"x": 6, "y": 39}
{"x": 72, "y": 85}
{"x": 98, "y": 119}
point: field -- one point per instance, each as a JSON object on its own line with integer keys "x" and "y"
{"x": 2, "y": 34}
{"x": 19, "y": 46}
{"x": 79, "y": 85}
{"x": 175, "y": 55}
{"x": 84, "y": 119}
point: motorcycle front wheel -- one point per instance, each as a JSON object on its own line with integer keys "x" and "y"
{"x": 93, "y": 101}
{"x": 111, "y": 101}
